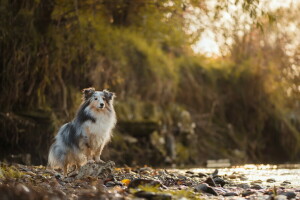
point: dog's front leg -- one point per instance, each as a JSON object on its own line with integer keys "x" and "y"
{"x": 98, "y": 154}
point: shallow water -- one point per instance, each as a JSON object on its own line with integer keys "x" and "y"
{"x": 280, "y": 173}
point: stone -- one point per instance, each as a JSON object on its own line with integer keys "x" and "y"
{"x": 280, "y": 197}
{"x": 271, "y": 180}
{"x": 210, "y": 182}
{"x": 206, "y": 189}
{"x": 256, "y": 187}
{"x": 243, "y": 185}
{"x": 289, "y": 195}
{"x": 219, "y": 181}
{"x": 152, "y": 195}
{"x": 230, "y": 194}
{"x": 137, "y": 182}
{"x": 100, "y": 170}
{"x": 248, "y": 193}
{"x": 202, "y": 174}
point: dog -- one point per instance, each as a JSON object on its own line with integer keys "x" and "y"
{"x": 83, "y": 139}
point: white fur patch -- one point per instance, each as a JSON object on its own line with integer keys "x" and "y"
{"x": 100, "y": 131}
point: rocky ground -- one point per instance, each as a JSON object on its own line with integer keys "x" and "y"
{"x": 104, "y": 181}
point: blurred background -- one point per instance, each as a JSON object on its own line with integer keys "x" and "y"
{"x": 195, "y": 79}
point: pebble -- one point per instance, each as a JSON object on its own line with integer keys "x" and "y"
{"x": 248, "y": 193}
{"x": 202, "y": 175}
{"x": 232, "y": 176}
{"x": 153, "y": 195}
{"x": 271, "y": 180}
{"x": 256, "y": 182}
{"x": 287, "y": 182}
{"x": 230, "y": 194}
{"x": 256, "y": 187}
{"x": 205, "y": 188}
{"x": 137, "y": 182}
{"x": 210, "y": 182}
{"x": 215, "y": 173}
{"x": 110, "y": 184}
{"x": 243, "y": 185}
{"x": 189, "y": 172}
{"x": 289, "y": 195}
{"x": 280, "y": 197}
{"x": 219, "y": 181}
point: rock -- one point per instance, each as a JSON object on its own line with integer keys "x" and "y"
{"x": 219, "y": 181}
{"x": 205, "y": 188}
{"x": 232, "y": 176}
{"x": 202, "y": 174}
{"x": 210, "y": 182}
{"x": 243, "y": 185}
{"x": 153, "y": 195}
{"x": 210, "y": 190}
{"x": 286, "y": 182}
{"x": 215, "y": 173}
{"x": 100, "y": 170}
{"x": 230, "y": 194}
{"x": 289, "y": 195}
{"x": 137, "y": 182}
{"x": 189, "y": 172}
{"x": 271, "y": 180}
{"x": 256, "y": 187}
{"x": 248, "y": 193}
{"x": 256, "y": 182}
{"x": 110, "y": 184}
{"x": 280, "y": 197}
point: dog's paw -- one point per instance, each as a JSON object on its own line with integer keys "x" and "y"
{"x": 90, "y": 162}
{"x": 99, "y": 161}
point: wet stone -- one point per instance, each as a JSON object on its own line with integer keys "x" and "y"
{"x": 289, "y": 195}
{"x": 189, "y": 172}
{"x": 287, "y": 182}
{"x": 219, "y": 181}
{"x": 210, "y": 182}
{"x": 280, "y": 197}
{"x": 248, "y": 193}
{"x": 256, "y": 187}
{"x": 243, "y": 185}
{"x": 230, "y": 194}
{"x": 137, "y": 182}
{"x": 202, "y": 174}
{"x": 205, "y": 188}
{"x": 271, "y": 180}
{"x": 153, "y": 195}
{"x": 110, "y": 184}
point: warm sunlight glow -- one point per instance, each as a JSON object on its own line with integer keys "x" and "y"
{"x": 210, "y": 44}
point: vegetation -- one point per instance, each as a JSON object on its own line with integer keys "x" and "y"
{"x": 243, "y": 106}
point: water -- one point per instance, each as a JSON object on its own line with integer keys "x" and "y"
{"x": 280, "y": 173}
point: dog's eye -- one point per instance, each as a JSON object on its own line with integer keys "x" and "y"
{"x": 96, "y": 98}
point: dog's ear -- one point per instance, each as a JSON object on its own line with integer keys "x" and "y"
{"x": 88, "y": 92}
{"x": 109, "y": 95}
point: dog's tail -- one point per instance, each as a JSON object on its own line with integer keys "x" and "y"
{"x": 56, "y": 158}
{"x": 58, "y": 151}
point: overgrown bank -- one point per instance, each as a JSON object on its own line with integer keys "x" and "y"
{"x": 172, "y": 106}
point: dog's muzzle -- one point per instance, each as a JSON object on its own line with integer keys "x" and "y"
{"x": 101, "y": 105}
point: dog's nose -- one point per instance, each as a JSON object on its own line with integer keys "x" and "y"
{"x": 101, "y": 105}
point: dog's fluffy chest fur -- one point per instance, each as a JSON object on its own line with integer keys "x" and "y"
{"x": 99, "y": 131}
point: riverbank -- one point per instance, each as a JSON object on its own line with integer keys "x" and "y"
{"x": 105, "y": 181}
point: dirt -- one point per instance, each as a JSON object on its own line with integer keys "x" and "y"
{"x": 105, "y": 181}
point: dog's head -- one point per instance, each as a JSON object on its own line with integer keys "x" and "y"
{"x": 98, "y": 99}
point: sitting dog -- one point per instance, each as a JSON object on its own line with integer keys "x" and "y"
{"x": 84, "y": 138}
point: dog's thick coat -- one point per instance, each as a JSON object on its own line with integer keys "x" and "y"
{"x": 85, "y": 137}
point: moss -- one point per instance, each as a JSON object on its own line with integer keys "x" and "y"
{"x": 176, "y": 194}
{"x": 10, "y": 172}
